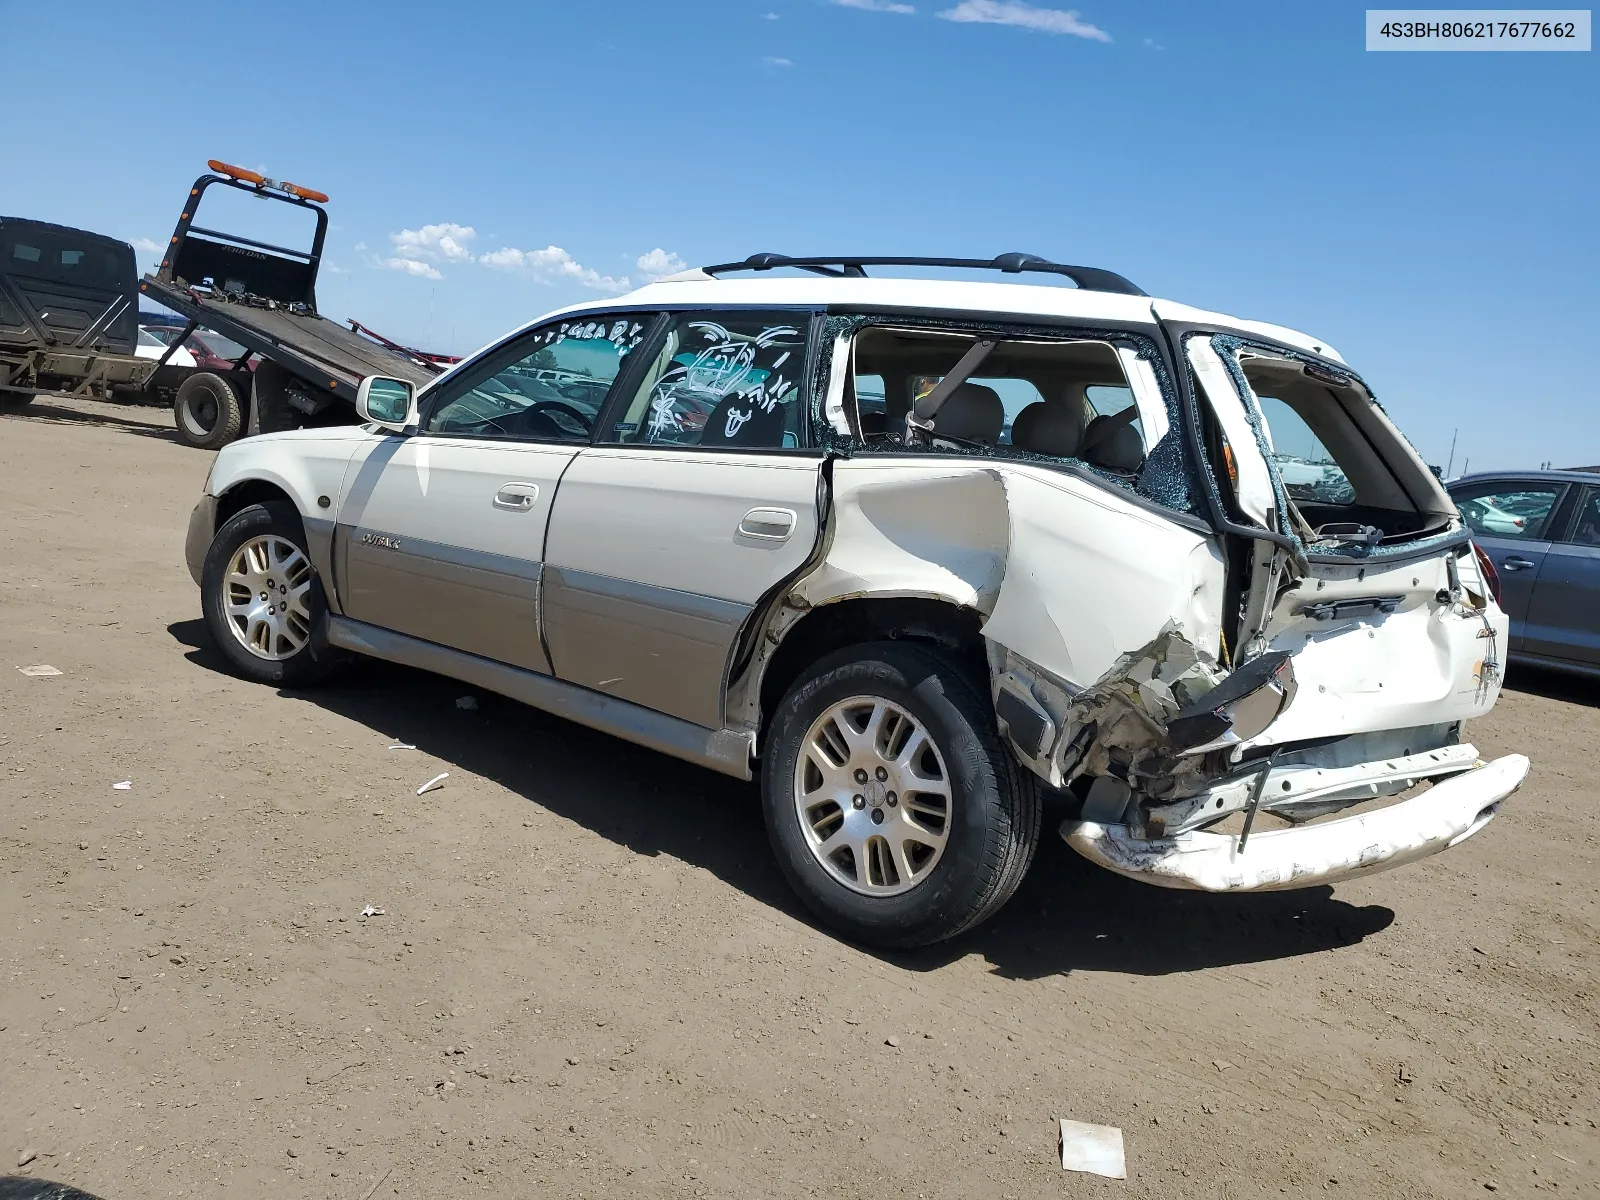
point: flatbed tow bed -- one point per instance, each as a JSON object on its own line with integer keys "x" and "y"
{"x": 263, "y": 296}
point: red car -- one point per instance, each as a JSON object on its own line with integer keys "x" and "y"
{"x": 212, "y": 351}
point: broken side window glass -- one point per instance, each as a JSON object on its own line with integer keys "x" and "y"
{"x": 1030, "y": 394}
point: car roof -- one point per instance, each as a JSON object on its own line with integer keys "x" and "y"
{"x": 696, "y": 289}
{"x": 1572, "y": 475}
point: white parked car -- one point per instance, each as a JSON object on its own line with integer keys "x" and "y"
{"x": 913, "y": 629}
{"x": 149, "y": 345}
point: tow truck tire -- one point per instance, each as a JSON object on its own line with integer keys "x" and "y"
{"x": 207, "y": 411}
{"x": 11, "y": 401}
{"x": 935, "y": 823}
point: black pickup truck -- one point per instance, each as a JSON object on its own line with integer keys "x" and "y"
{"x": 69, "y": 318}
{"x": 264, "y": 297}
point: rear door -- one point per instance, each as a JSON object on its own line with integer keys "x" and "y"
{"x": 1509, "y": 519}
{"x": 702, "y": 497}
{"x": 1564, "y": 614}
{"x": 441, "y": 534}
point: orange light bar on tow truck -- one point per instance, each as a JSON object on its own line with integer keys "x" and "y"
{"x": 260, "y": 180}
{"x": 294, "y": 189}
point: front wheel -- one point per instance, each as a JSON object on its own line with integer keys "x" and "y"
{"x": 894, "y": 809}
{"x": 262, "y": 600}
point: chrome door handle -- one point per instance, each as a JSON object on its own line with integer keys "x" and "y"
{"x": 517, "y": 497}
{"x": 1517, "y": 564}
{"x": 768, "y": 524}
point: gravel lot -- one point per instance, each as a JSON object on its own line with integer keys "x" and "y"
{"x": 588, "y": 978}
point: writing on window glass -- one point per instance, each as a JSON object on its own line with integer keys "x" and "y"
{"x": 730, "y": 366}
{"x": 623, "y": 334}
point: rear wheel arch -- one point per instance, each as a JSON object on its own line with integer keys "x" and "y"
{"x": 827, "y": 628}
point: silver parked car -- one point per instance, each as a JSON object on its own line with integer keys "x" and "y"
{"x": 1541, "y": 532}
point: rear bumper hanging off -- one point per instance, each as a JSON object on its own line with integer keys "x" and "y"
{"x": 1278, "y": 860}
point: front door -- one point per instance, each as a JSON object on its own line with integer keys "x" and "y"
{"x": 441, "y": 533}
{"x": 701, "y": 499}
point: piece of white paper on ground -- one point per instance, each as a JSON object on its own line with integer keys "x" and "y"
{"x": 1093, "y": 1149}
{"x": 436, "y": 781}
{"x": 125, "y": 786}
{"x": 42, "y": 671}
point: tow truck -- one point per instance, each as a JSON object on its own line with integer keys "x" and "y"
{"x": 264, "y": 296}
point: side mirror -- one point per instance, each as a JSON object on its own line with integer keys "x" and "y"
{"x": 390, "y": 403}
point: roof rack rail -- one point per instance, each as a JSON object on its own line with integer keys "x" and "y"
{"x": 1092, "y": 279}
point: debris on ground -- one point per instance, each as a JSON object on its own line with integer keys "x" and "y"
{"x": 1092, "y": 1149}
{"x": 436, "y": 781}
{"x": 370, "y": 911}
{"x": 26, "y": 1157}
{"x": 402, "y": 746}
{"x": 467, "y": 702}
{"x": 42, "y": 671}
{"x": 125, "y": 786}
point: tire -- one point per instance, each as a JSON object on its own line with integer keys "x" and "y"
{"x": 207, "y": 411}
{"x": 290, "y": 648}
{"x": 991, "y": 808}
{"x": 14, "y": 401}
{"x": 270, "y": 411}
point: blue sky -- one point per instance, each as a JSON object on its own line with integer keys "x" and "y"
{"x": 1431, "y": 215}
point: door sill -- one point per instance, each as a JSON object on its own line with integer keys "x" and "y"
{"x": 1522, "y": 658}
{"x": 728, "y": 751}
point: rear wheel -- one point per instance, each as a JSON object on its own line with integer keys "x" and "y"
{"x": 262, "y": 599}
{"x": 10, "y": 401}
{"x": 895, "y": 811}
{"x": 207, "y": 411}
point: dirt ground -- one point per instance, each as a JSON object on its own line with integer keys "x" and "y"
{"x": 588, "y": 979}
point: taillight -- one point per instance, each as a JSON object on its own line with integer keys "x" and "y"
{"x": 1491, "y": 577}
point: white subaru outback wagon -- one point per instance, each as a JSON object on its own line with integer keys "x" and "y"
{"x": 921, "y": 554}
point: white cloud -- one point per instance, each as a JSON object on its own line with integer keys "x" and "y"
{"x": 551, "y": 264}
{"x": 769, "y": 16}
{"x": 778, "y": 62}
{"x": 888, "y": 6}
{"x": 148, "y": 245}
{"x": 445, "y": 242}
{"x": 1023, "y": 16}
{"x": 412, "y": 266}
{"x": 659, "y": 263}
{"x": 360, "y": 246}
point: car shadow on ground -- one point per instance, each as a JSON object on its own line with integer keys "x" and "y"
{"x": 1554, "y": 685}
{"x": 1068, "y": 915}
{"x": 43, "y": 413}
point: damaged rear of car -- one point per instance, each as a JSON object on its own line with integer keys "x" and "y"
{"x": 1225, "y": 610}
{"x": 924, "y": 554}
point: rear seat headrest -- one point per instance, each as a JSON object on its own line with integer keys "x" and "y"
{"x": 973, "y": 413}
{"x": 1046, "y": 428}
{"x": 1114, "y": 444}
